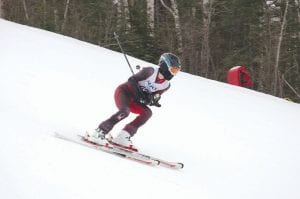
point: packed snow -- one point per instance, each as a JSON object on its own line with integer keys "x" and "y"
{"x": 235, "y": 143}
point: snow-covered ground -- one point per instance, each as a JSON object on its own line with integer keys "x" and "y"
{"x": 236, "y": 143}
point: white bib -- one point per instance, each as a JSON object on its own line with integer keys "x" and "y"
{"x": 150, "y": 86}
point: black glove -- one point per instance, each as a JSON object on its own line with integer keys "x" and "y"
{"x": 154, "y": 100}
{"x": 143, "y": 97}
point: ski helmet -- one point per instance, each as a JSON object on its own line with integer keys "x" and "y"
{"x": 169, "y": 65}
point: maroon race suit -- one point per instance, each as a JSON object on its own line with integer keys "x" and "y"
{"x": 128, "y": 99}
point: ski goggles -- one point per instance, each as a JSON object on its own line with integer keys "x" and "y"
{"x": 174, "y": 69}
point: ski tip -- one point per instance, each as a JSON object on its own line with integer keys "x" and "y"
{"x": 156, "y": 162}
{"x": 181, "y": 165}
{"x": 177, "y": 165}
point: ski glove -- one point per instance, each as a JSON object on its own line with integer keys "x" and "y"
{"x": 154, "y": 100}
{"x": 150, "y": 99}
{"x": 143, "y": 97}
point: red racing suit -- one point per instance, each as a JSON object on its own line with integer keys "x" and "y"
{"x": 128, "y": 97}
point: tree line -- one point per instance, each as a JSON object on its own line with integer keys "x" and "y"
{"x": 210, "y": 36}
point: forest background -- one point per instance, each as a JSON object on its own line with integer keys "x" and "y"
{"x": 210, "y": 36}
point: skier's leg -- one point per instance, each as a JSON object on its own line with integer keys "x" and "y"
{"x": 123, "y": 138}
{"x": 122, "y": 100}
{"x": 145, "y": 114}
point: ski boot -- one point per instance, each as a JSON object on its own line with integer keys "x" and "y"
{"x": 122, "y": 140}
{"x": 98, "y": 137}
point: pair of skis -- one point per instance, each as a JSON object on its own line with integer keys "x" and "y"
{"x": 122, "y": 152}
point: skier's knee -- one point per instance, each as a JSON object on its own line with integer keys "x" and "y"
{"x": 147, "y": 113}
{"x": 123, "y": 113}
{"x": 145, "y": 116}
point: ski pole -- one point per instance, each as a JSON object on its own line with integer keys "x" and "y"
{"x": 117, "y": 38}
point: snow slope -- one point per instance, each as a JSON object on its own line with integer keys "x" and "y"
{"x": 235, "y": 143}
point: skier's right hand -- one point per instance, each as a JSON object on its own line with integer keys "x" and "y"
{"x": 154, "y": 98}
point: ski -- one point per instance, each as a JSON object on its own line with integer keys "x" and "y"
{"x": 107, "y": 148}
{"x": 123, "y": 152}
{"x": 162, "y": 162}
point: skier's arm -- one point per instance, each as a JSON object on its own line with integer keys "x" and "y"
{"x": 134, "y": 79}
{"x": 141, "y": 75}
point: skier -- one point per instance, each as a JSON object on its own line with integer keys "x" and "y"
{"x": 142, "y": 89}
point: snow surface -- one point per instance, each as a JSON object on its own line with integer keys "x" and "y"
{"x": 236, "y": 143}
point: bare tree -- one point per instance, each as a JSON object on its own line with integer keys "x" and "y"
{"x": 265, "y": 73}
{"x": 290, "y": 86}
{"x": 278, "y": 49}
{"x": 174, "y": 11}
{"x": 205, "y": 49}
{"x": 297, "y": 3}
{"x": 2, "y": 13}
{"x": 123, "y": 14}
{"x": 55, "y": 16}
{"x": 65, "y": 16}
{"x": 25, "y": 9}
{"x": 150, "y": 15}
{"x": 126, "y": 14}
{"x": 45, "y": 12}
